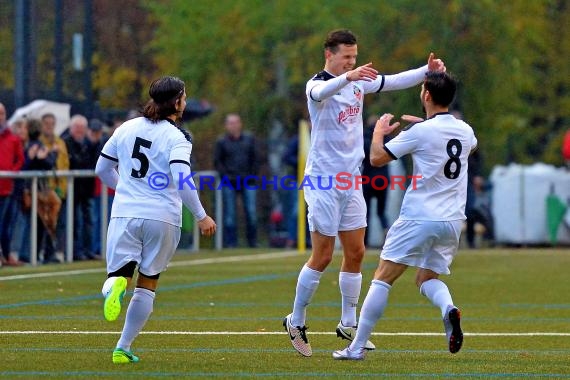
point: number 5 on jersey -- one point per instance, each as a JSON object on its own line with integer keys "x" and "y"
{"x": 140, "y": 142}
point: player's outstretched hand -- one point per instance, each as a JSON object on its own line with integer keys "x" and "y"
{"x": 435, "y": 64}
{"x": 411, "y": 118}
{"x": 383, "y": 124}
{"x": 364, "y": 72}
{"x": 207, "y": 226}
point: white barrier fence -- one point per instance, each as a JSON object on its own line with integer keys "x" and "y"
{"x": 70, "y": 175}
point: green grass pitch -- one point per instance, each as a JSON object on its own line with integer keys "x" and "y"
{"x": 218, "y": 315}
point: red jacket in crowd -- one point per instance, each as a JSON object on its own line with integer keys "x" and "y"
{"x": 11, "y": 159}
{"x": 566, "y": 147}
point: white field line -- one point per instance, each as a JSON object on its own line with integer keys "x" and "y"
{"x": 229, "y": 259}
{"x": 75, "y": 332}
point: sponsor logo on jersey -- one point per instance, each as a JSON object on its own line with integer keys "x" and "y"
{"x": 348, "y": 112}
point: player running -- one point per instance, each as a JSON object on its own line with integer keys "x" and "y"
{"x": 147, "y": 161}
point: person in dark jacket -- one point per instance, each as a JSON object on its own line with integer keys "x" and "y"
{"x": 236, "y": 161}
{"x": 82, "y": 156}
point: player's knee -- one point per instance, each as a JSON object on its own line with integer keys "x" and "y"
{"x": 147, "y": 282}
{"x": 422, "y": 276}
{"x": 355, "y": 256}
{"x": 127, "y": 270}
{"x": 319, "y": 262}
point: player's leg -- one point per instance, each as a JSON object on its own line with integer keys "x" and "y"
{"x": 350, "y": 276}
{"x": 138, "y": 313}
{"x": 123, "y": 254}
{"x": 114, "y": 289}
{"x": 351, "y": 234}
{"x": 323, "y": 223}
{"x": 350, "y": 283}
{"x": 307, "y": 284}
{"x": 160, "y": 242}
{"x": 437, "y": 261}
{"x": 372, "y": 308}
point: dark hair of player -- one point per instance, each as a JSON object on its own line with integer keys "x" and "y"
{"x": 441, "y": 86}
{"x": 339, "y": 37}
{"x": 164, "y": 93}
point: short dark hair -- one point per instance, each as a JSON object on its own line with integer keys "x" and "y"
{"x": 164, "y": 93}
{"x": 441, "y": 86}
{"x": 339, "y": 37}
{"x": 34, "y": 129}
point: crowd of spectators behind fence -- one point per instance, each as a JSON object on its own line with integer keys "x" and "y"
{"x": 32, "y": 144}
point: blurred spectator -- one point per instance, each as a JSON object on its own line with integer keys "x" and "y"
{"x": 96, "y": 140}
{"x": 11, "y": 159}
{"x": 235, "y": 159}
{"x": 38, "y": 157}
{"x": 56, "y": 146}
{"x": 381, "y": 183}
{"x": 291, "y": 160}
{"x": 21, "y": 235}
{"x": 82, "y": 156}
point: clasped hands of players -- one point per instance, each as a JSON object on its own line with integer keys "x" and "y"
{"x": 207, "y": 226}
{"x": 384, "y": 127}
{"x": 368, "y": 73}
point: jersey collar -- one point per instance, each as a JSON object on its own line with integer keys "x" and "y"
{"x": 437, "y": 114}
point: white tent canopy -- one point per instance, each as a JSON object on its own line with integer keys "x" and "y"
{"x": 40, "y": 107}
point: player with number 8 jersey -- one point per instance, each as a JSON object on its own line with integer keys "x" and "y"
{"x": 426, "y": 234}
{"x": 439, "y": 147}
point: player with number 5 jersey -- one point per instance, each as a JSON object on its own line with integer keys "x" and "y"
{"x": 147, "y": 161}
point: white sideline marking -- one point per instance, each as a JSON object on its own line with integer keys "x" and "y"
{"x": 275, "y": 333}
{"x": 229, "y": 259}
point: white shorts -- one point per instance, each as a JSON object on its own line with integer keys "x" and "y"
{"x": 332, "y": 209}
{"x": 125, "y": 238}
{"x": 423, "y": 244}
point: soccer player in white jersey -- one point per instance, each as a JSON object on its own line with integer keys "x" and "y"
{"x": 426, "y": 234}
{"x": 147, "y": 161}
{"x": 335, "y": 99}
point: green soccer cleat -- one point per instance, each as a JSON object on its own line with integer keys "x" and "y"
{"x": 112, "y": 306}
{"x": 121, "y": 356}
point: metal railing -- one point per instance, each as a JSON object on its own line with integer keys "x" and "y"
{"x": 70, "y": 175}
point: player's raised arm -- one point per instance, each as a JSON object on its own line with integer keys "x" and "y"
{"x": 364, "y": 72}
{"x": 378, "y": 155}
{"x": 435, "y": 64}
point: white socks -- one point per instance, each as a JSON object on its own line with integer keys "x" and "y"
{"x": 437, "y": 292}
{"x": 350, "y": 284}
{"x": 372, "y": 309}
{"x": 307, "y": 285}
{"x": 139, "y": 311}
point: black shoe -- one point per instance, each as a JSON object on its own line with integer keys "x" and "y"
{"x": 452, "y": 325}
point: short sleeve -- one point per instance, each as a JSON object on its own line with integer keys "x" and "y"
{"x": 110, "y": 148}
{"x": 181, "y": 151}
{"x": 405, "y": 143}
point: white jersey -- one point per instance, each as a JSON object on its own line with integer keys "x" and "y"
{"x": 144, "y": 151}
{"x": 335, "y": 109}
{"x": 440, "y": 147}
